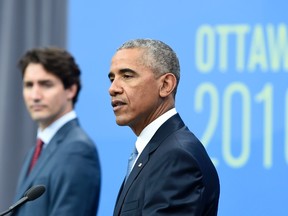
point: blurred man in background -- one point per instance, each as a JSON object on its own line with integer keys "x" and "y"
{"x": 64, "y": 159}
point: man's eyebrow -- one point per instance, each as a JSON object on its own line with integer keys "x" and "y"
{"x": 121, "y": 71}
{"x": 45, "y": 81}
{"x": 39, "y": 81}
{"x": 125, "y": 70}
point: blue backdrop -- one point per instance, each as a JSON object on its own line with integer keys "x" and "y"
{"x": 233, "y": 91}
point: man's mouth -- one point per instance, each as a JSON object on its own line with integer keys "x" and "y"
{"x": 37, "y": 107}
{"x": 117, "y": 104}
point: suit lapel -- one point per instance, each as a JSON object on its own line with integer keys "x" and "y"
{"x": 171, "y": 125}
{"x": 139, "y": 165}
{"x": 23, "y": 173}
{"x": 27, "y": 181}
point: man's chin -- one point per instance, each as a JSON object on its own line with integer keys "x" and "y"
{"x": 38, "y": 118}
{"x": 121, "y": 122}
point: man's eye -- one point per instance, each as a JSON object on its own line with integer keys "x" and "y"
{"x": 28, "y": 85}
{"x": 47, "y": 84}
{"x": 111, "y": 79}
{"x": 127, "y": 76}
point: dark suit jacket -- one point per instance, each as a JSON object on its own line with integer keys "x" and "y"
{"x": 173, "y": 176}
{"x": 69, "y": 168}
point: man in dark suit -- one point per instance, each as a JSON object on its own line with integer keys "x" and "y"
{"x": 173, "y": 174}
{"x": 68, "y": 165}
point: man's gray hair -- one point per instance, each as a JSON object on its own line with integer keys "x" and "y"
{"x": 158, "y": 56}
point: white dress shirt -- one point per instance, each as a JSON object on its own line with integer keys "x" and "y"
{"x": 47, "y": 134}
{"x": 149, "y": 131}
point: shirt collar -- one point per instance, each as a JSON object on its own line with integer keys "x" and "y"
{"x": 149, "y": 131}
{"x": 47, "y": 134}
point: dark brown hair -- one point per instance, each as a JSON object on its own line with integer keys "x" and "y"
{"x": 56, "y": 61}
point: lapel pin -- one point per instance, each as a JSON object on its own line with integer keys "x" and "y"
{"x": 140, "y": 164}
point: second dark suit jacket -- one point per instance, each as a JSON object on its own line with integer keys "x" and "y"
{"x": 173, "y": 176}
{"x": 69, "y": 168}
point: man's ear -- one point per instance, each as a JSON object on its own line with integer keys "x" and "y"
{"x": 168, "y": 82}
{"x": 71, "y": 91}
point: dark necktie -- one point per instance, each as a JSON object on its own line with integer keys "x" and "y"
{"x": 131, "y": 161}
{"x": 37, "y": 152}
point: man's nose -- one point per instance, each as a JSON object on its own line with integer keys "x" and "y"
{"x": 115, "y": 88}
{"x": 36, "y": 93}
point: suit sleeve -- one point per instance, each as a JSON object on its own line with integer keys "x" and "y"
{"x": 174, "y": 187}
{"x": 76, "y": 183}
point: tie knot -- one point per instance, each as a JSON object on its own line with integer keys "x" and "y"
{"x": 134, "y": 154}
{"x": 135, "y": 151}
{"x": 39, "y": 142}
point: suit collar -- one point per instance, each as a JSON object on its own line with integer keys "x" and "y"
{"x": 48, "y": 133}
{"x": 171, "y": 125}
{"x": 25, "y": 182}
{"x": 149, "y": 131}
